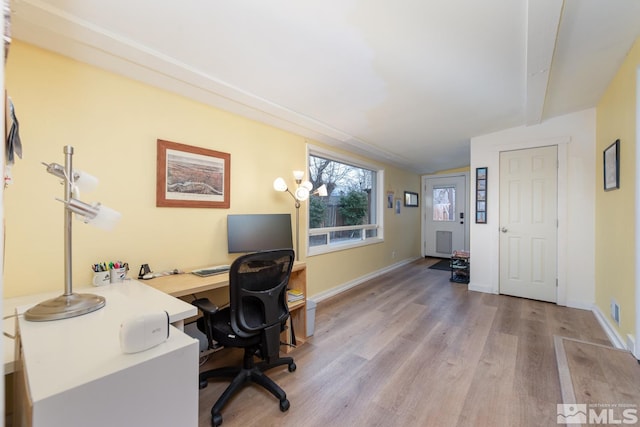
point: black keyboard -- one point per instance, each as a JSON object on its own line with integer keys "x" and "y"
{"x": 212, "y": 271}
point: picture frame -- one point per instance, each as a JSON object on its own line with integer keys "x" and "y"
{"x": 390, "y": 197}
{"x": 611, "y": 169}
{"x": 398, "y": 206}
{"x": 481, "y": 195}
{"x": 411, "y": 199}
{"x": 192, "y": 177}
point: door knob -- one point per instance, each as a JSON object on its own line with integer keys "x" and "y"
{"x": 504, "y": 229}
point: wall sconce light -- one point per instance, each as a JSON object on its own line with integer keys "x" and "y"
{"x": 70, "y": 304}
{"x": 300, "y": 194}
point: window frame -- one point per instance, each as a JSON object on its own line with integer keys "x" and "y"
{"x": 379, "y": 207}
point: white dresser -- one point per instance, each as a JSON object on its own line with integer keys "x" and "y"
{"x": 72, "y": 372}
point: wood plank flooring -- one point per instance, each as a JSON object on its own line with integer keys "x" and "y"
{"x": 409, "y": 348}
{"x": 602, "y": 377}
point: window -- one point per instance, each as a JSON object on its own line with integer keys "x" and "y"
{"x": 444, "y": 203}
{"x": 351, "y": 214}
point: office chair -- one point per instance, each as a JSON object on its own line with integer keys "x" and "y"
{"x": 255, "y": 318}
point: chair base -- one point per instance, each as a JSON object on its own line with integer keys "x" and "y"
{"x": 250, "y": 372}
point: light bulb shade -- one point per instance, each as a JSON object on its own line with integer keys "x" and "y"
{"x": 307, "y": 185}
{"x": 322, "y": 191}
{"x": 85, "y": 181}
{"x": 298, "y": 175}
{"x": 82, "y": 180}
{"x": 280, "y": 185}
{"x": 301, "y": 194}
{"x": 81, "y": 208}
{"x": 105, "y": 219}
{"x": 97, "y": 215}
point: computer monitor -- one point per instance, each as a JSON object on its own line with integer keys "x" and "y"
{"x": 258, "y": 232}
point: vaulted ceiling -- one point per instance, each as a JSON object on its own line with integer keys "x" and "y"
{"x": 408, "y": 82}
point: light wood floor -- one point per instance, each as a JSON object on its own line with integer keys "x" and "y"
{"x": 409, "y": 348}
{"x": 599, "y": 376}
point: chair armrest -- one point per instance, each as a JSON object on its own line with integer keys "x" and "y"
{"x": 207, "y": 307}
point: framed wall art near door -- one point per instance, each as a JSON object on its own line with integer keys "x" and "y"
{"x": 411, "y": 199}
{"x": 611, "y": 158}
{"x": 481, "y": 195}
{"x": 193, "y": 177}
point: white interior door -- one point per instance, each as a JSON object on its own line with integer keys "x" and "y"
{"x": 445, "y": 215}
{"x": 529, "y": 223}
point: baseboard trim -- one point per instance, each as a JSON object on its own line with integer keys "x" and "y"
{"x": 358, "y": 281}
{"x": 488, "y": 289}
{"x": 580, "y": 304}
{"x": 611, "y": 332}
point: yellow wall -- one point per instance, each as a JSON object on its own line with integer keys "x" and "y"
{"x": 113, "y": 124}
{"x": 615, "y": 210}
{"x": 456, "y": 170}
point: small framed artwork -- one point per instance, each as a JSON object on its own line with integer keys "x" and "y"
{"x": 481, "y": 195}
{"x": 611, "y": 158}
{"x": 398, "y": 205}
{"x": 192, "y": 177}
{"x": 390, "y": 196}
{"x": 411, "y": 199}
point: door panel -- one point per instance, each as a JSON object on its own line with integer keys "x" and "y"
{"x": 528, "y": 223}
{"x": 445, "y": 216}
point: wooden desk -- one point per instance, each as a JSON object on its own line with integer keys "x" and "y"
{"x": 180, "y": 285}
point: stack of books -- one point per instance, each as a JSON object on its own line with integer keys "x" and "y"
{"x": 294, "y": 295}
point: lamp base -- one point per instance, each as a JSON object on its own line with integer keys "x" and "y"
{"x": 64, "y": 307}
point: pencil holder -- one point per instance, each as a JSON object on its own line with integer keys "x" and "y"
{"x": 118, "y": 274}
{"x": 101, "y": 278}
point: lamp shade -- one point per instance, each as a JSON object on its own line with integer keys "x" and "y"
{"x": 105, "y": 219}
{"x": 298, "y": 175}
{"x": 85, "y": 181}
{"x": 302, "y": 194}
{"x": 322, "y": 191}
{"x": 280, "y": 185}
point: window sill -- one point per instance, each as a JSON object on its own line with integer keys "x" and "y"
{"x": 319, "y": 250}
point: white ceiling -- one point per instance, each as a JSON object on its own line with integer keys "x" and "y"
{"x": 408, "y": 82}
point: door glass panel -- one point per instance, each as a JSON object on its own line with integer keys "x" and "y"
{"x": 444, "y": 203}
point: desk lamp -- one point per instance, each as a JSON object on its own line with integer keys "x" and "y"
{"x": 70, "y": 304}
{"x": 302, "y": 193}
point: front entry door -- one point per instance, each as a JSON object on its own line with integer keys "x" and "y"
{"x": 444, "y": 216}
{"x": 529, "y": 223}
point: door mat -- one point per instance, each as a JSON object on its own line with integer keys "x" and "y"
{"x": 443, "y": 264}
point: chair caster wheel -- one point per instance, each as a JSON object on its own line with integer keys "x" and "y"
{"x": 203, "y": 384}
{"x": 292, "y": 367}
{"x": 284, "y": 405}
{"x": 216, "y": 420}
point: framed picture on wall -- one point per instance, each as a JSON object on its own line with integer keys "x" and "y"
{"x": 411, "y": 199}
{"x": 192, "y": 177}
{"x": 481, "y": 195}
{"x": 390, "y": 197}
{"x": 611, "y": 158}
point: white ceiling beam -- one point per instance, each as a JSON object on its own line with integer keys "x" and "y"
{"x": 543, "y": 22}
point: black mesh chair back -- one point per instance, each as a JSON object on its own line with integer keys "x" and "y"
{"x": 258, "y": 291}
